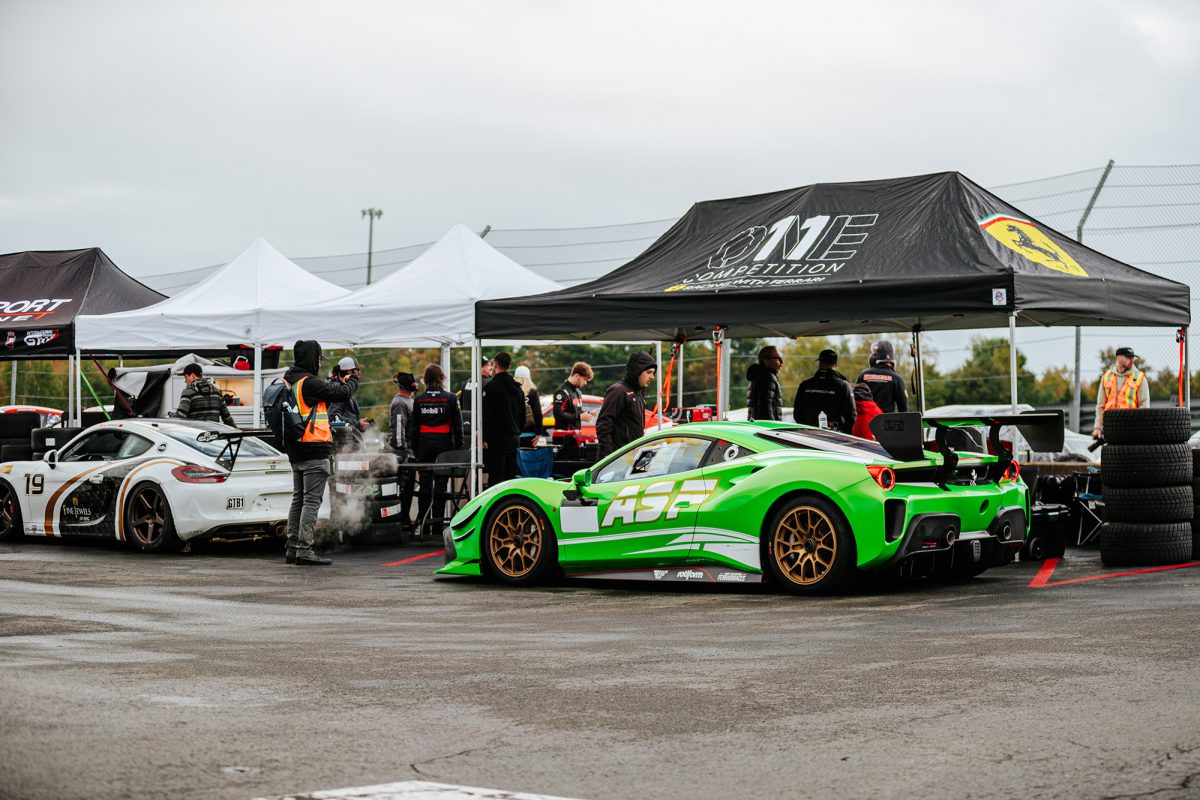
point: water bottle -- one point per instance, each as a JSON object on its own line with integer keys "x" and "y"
{"x": 822, "y": 420}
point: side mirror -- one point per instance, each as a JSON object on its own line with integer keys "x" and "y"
{"x": 51, "y": 458}
{"x": 581, "y": 478}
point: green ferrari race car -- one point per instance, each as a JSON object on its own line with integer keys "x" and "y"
{"x": 746, "y": 502}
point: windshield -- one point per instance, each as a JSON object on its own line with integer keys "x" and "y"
{"x": 251, "y": 446}
{"x": 824, "y": 439}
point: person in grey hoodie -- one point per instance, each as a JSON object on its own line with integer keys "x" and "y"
{"x": 622, "y": 417}
{"x": 401, "y": 413}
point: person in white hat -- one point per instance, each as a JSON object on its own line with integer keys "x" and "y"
{"x": 532, "y": 427}
{"x": 348, "y": 411}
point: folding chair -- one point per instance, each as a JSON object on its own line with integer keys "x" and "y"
{"x": 455, "y": 467}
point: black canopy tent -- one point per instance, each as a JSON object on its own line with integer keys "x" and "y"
{"x": 43, "y": 291}
{"x": 930, "y": 252}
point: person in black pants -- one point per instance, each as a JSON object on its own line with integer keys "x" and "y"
{"x": 435, "y": 427}
{"x": 503, "y": 416}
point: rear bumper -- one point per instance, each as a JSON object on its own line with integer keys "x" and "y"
{"x": 939, "y": 532}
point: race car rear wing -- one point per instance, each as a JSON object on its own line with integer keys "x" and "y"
{"x": 233, "y": 443}
{"x": 901, "y": 436}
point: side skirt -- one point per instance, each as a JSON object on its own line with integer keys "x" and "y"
{"x": 697, "y": 574}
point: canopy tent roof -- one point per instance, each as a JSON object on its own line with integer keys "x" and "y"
{"x": 43, "y": 292}
{"x": 430, "y": 302}
{"x": 931, "y": 252}
{"x": 225, "y": 308}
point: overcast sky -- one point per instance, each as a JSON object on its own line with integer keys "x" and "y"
{"x": 173, "y": 133}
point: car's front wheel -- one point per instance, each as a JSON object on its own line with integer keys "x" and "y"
{"x": 519, "y": 546}
{"x": 10, "y": 514}
{"x": 149, "y": 525}
{"x": 810, "y": 548}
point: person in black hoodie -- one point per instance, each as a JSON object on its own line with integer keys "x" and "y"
{"x": 764, "y": 397}
{"x": 503, "y": 416}
{"x": 434, "y": 427}
{"x": 828, "y": 393}
{"x": 310, "y": 456}
{"x": 622, "y": 417}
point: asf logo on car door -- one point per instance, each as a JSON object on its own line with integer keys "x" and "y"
{"x": 640, "y": 505}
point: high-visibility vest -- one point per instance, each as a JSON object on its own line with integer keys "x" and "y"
{"x": 1127, "y": 395}
{"x": 318, "y": 429}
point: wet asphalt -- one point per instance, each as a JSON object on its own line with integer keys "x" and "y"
{"x": 223, "y": 673}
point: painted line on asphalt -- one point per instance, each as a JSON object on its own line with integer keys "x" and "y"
{"x": 1042, "y": 579}
{"x": 414, "y": 790}
{"x": 414, "y": 558}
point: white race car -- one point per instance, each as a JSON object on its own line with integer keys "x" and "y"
{"x": 153, "y": 483}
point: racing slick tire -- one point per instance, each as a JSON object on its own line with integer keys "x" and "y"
{"x": 149, "y": 526}
{"x": 1147, "y": 425}
{"x": 1148, "y": 504}
{"x": 1141, "y": 545}
{"x": 16, "y": 452}
{"x": 11, "y": 527}
{"x": 518, "y": 544}
{"x": 1196, "y": 472}
{"x": 810, "y": 547}
{"x": 1196, "y": 533}
{"x": 19, "y": 424}
{"x": 1146, "y": 465}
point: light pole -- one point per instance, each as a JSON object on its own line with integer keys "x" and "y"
{"x": 372, "y": 214}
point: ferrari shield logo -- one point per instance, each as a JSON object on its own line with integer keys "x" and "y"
{"x": 1022, "y": 236}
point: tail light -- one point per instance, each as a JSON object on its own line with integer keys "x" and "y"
{"x": 1012, "y": 472}
{"x": 883, "y": 476}
{"x": 194, "y": 473}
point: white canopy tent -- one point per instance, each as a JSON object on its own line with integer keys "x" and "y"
{"x": 228, "y": 307}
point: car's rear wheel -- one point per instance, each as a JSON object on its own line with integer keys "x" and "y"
{"x": 519, "y": 546}
{"x": 149, "y": 525}
{"x": 10, "y": 514}
{"x": 810, "y": 549}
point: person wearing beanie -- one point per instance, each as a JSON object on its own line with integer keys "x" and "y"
{"x": 887, "y": 387}
{"x": 622, "y": 417}
{"x": 531, "y": 427}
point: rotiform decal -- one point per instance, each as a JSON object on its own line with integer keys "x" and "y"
{"x": 26, "y": 310}
{"x": 1023, "y": 237}
{"x": 790, "y": 252}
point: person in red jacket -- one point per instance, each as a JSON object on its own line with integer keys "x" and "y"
{"x": 867, "y": 408}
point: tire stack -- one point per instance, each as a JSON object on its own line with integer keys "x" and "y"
{"x": 1196, "y": 508}
{"x": 15, "y": 430}
{"x": 1147, "y": 470}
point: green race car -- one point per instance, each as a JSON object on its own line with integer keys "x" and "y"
{"x": 804, "y": 508}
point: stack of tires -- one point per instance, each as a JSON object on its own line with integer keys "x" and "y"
{"x": 1196, "y": 508}
{"x": 15, "y": 430}
{"x": 1146, "y": 467}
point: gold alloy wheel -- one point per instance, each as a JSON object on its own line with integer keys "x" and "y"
{"x": 515, "y": 541}
{"x": 804, "y": 545}
{"x": 147, "y": 518}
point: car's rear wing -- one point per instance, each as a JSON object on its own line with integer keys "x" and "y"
{"x": 901, "y": 436}
{"x": 233, "y": 443}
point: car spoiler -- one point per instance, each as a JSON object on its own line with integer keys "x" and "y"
{"x": 901, "y": 436}
{"x": 233, "y": 443}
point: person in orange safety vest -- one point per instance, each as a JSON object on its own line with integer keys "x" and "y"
{"x": 1121, "y": 386}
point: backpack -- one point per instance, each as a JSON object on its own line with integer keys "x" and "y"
{"x": 528, "y": 414}
{"x": 282, "y": 412}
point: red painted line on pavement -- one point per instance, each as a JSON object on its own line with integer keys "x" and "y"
{"x": 1042, "y": 579}
{"x": 414, "y": 558}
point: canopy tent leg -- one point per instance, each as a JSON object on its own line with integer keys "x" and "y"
{"x": 919, "y": 369}
{"x": 71, "y": 391}
{"x": 256, "y": 392}
{"x": 78, "y": 383}
{"x": 1012, "y": 360}
{"x": 445, "y": 364}
{"x": 658, "y": 382}
{"x": 1077, "y": 402}
{"x": 12, "y": 386}
{"x": 1187, "y": 371}
{"x": 679, "y": 362}
{"x": 474, "y": 381}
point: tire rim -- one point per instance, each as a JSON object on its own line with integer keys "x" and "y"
{"x": 8, "y": 510}
{"x": 147, "y": 517}
{"x": 515, "y": 541}
{"x": 804, "y": 545}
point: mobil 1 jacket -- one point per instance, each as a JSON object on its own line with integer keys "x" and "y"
{"x": 314, "y": 390}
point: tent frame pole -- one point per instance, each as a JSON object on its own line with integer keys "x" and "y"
{"x": 1077, "y": 389}
{"x": 679, "y": 362}
{"x": 1012, "y": 359}
{"x": 658, "y": 382}
{"x": 1187, "y": 371}
{"x": 256, "y": 391}
{"x": 475, "y": 382}
{"x": 920, "y": 368}
{"x": 445, "y": 362}
{"x": 71, "y": 391}
{"x": 12, "y": 385}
